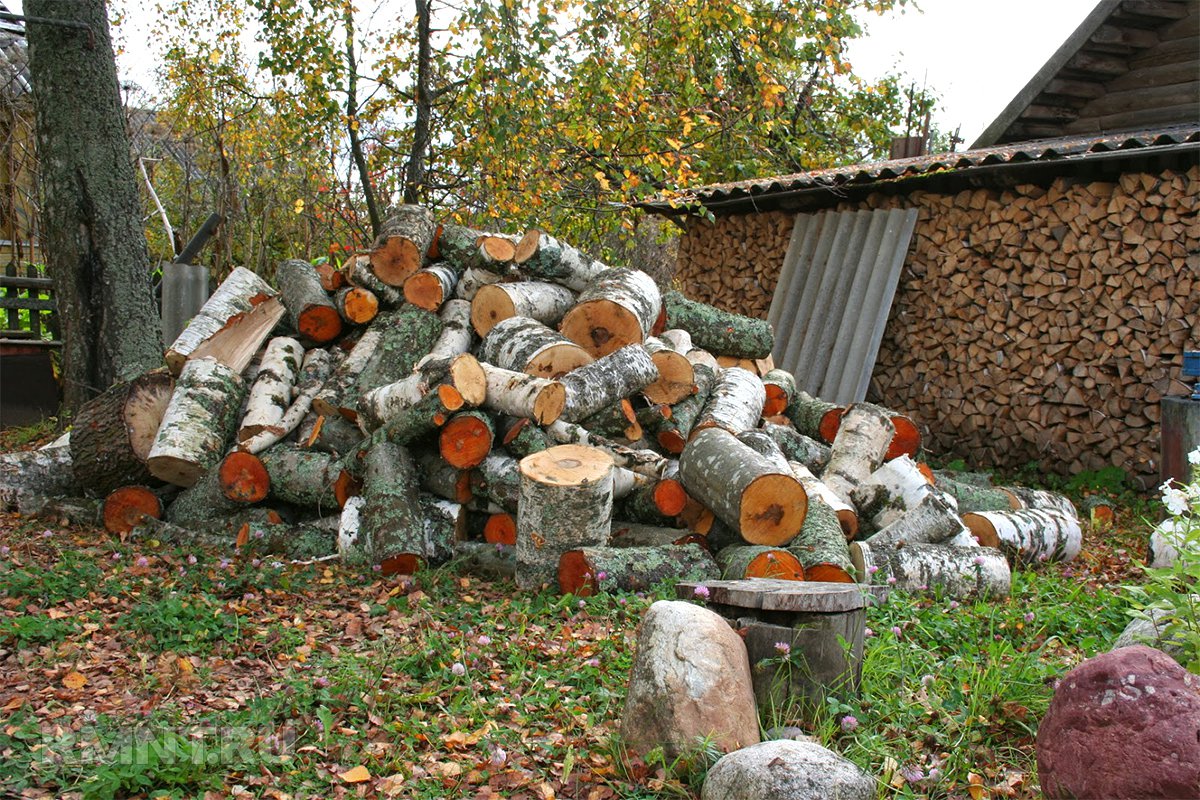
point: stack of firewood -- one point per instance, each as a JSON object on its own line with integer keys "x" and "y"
{"x": 509, "y": 398}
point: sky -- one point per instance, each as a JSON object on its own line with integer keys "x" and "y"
{"x": 975, "y": 54}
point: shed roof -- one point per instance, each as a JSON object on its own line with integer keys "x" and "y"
{"x": 836, "y": 181}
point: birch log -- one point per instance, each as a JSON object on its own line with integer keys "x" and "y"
{"x": 340, "y": 391}
{"x": 720, "y": 332}
{"x": 541, "y": 256}
{"x": 798, "y": 447}
{"x": 494, "y": 303}
{"x": 237, "y": 294}
{"x": 197, "y": 423}
{"x": 588, "y": 570}
{"x": 647, "y": 462}
{"x": 357, "y": 305}
{"x": 309, "y": 308}
{"x": 474, "y": 279}
{"x": 304, "y": 477}
{"x": 113, "y": 432}
{"x": 466, "y": 439}
{"x": 402, "y": 243}
{"x": 821, "y": 545}
{"x": 618, "y": 308}
{"x": 1029, "y": 535}
{"x": 858, "y": 449}
{"x": 846, "y": 513}
{"x": 743, "y": 488}
{"x": 618, "y": 421}
{"x": 526, "y": 345}
{"x": 432, "y": 286}
{"x": 443, "y": 480}
{"x": 463, "y": 372}
{"x": 633, "y": 534}
{"x": 780, "y": 386}
{"x": 673, "y": 432}
{"x": 519, "y": 394}
{"x": 522, "y": 437}
{"x": 755, "y": 561}
{"x": 676, "y": 375}
{"x": 498, "y": 478}
{"x": 271, "y": 395}
{"x": 931, "y": 521}
{"x": 29, "y": 474}
{"x": 243, "y": 478}
{"x": 467, "y": 249}
{"x": 358, "y": 273}
{"x": 735, "y": 403}
{"x": 958, "y": 572}
{"x": 607, "y": 380}
{"x": 391, "y": 526}
{"x": 971, "y": 497}
{"x": 407, "y": 334}
{"x": 565, "y": 503}
{"x": 1042, "y": 499}
{"x": 891, "y": 491}
{"x": 313, "y": 373}
{"x": 456, "y": 336}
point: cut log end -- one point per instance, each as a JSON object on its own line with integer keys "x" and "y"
{"x": 401, "y": 564}
{"x": 500, "y": 529}
{"x": 778, "y": 564}
{"x": 359, "y": 306}
{"x": 393, "y": 262}
{"x": 672, "y": 441}
{"x": 549, "y": 404}
{"x": 128, "y": 507}
{"x": 670, "y": 497}
{"x": 777, "y": 400}
{"x": 322, "y": 324}
{"x": 907, "y": 439}
{"x": 498, "y": 248}
{"x": 567, "y": 465}
{"x": 601, "y": 327}
{"x": 465, "y": 441}
{"x": 831, "y": 422}
{"x": 557, "y": 360}
{"x": 676, "y": 378}
{"x": 243, "y": 478}
{"x": 829, "y": 573}
{"x": 345, "y": 487}
{"x": 982, "y": 529}
{"x": 848, "y": 519}
{"x": 490, "y": 306}
{"x": 527, "y": 246}
{"x": 424, "y": 290}
{"x": 575, "y": 574}
{"x": 772, "y": 510}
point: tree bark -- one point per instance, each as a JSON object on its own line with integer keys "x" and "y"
{"x": 815, "y": 418}
{"x": 197, "y": 423}
{"x": 418, "y": 152}
{"x": 798, "y": 447}
{"x": 356, "y": 148}
{"x": 588, "y": 570}
{"x": 720, "y": 332}
{"x": 271, "y": 394}
{"x": 519, "y": 394}
{"x": 958, "y": 572}
{"x": 94, "y": 245}
{"x": 735, "y": 404}
{"x": 931, "y": 521}
{"x": 402, "y": 244}
{"x": 313, "y": 373}
{"x": 309, "y": 307}
{"x": 542, "y": 256}
{"x": 113, "y": 433}
{"x": 858, "y": 449}
{"x": 606, "y": 380}
{"x": 756, "y": 561}
{"x": 1029, "y": 535}
{"x": 821, "y": 546}
{"x": 526, "y": 345}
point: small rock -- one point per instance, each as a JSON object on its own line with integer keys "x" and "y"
{"x": 690, "y": 683}
{"x": 1125, "y": 724}
{"x": 788, "y": 732}
{"x": 786, "y": 770}
{"x": 1149, "y": 632}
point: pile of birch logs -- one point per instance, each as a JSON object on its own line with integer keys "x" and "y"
{"x": 511, "y": 400}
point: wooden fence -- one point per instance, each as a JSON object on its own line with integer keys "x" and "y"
{"x": 28, "y": 315}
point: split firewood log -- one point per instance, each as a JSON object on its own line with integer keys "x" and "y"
{"x": 526, "y": 345}
{"x": 565, "y": 503}
{"x": 588, "y": 570}
{"x": 541, "y": 256}
{"x": 815, "y": 488}
{"x": 743, "y": 488}
{"x": 1029, "y": 535}
{"x": 270, "y": 395}
{"x": 676, "y": 375}
{"x": 356, "y": 305}
{"x": 403, "y": 241}
{"x": 931, "y": 521}
{"x": 127, "y": 507}
{"x": 958, "y": 572}
{"x": 815, "y": 418}
{"x": 673, "y": 431}
{"x": 798, "y": 447}
{"x": 317, "y": 366}
{"x": 722, "y": 333}
{"x": 821, "y": 545}
{"x": 606, "y": 381}
{"x": 496, "y": 302}
{"x": 431, "y": 286}
{"x": 199, "y": 420}
{"x": 113, "y": 432}
{"x": 858, "y": 449}
{"x": 309, "y": 308}
{"x": 755, "y": 561}
{"x": 237, "y": 294}
{"x": 522, "y": 395}
{"x": 618, "y": 308}
{"x": 735, "y": 403}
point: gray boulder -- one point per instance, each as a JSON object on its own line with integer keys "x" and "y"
{"x": 785, "y": 769}
{"x": 690, "y": 683}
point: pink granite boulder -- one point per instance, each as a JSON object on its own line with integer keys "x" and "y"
{"x": 1125, "y": 724}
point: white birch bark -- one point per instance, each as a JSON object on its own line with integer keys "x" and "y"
{"x": 959, "y": 572}
{"x": 197, "y": 423}
{"x": 735, "y": 403}
{"x": 607, "y": 380}
{"x": 518, "y": 394}
{"x": 858, "y": 449}
{"x": 472, "y": 279}
{"x": 314, "y": 372}
{"x": 494, "y": 303}
{"x": 456, "y": 337}
{"x": 1029, "y": 535}
{"x": 931, "y": 521}
{"x": 526, "y": 345}
{"x": 271, "y": 394}
{"x": 891, "y": 491}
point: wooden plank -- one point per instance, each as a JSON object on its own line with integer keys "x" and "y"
{"x": 1167, "y": 53}
{"x": 1123, "y": 36}
{"x": 1158, "y": 75}
{"x": 775, "y": 595}
{"x": 1062, "y": 87}
{"x": 1098, "y": 64}
{"x": 25, "y": 302}
{"x": 1131, "y": 100}
{"x": 1181, "y": 29}
{"x": 1135, "y": 120}
{"x": 33, "y": 281}
{"x": 1157, "y": 9}
{"x": 1043, "y": 113}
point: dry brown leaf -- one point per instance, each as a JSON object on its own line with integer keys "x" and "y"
{"x": 391, "y": 785}
{"x": 359, "y": 774}
{"x": 975, "y": 786}
{"x": 75, "y": 680}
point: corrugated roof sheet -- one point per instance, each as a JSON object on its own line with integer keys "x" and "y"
{"x": 1075, "y": 148}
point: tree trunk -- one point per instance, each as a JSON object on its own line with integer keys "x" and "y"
{"x": 414, "y": 171}
{"x": 92, "y": 235}
{"x": 237, "y": 295}
{"x": 958, "y": 572}
{"x": 494, "y": 303}
{"x": 197, "y": 423}
{"x": 565, "y": 503}
{"x": 402, "y": 243}
{"x": 743, "y": 488}
{"x": 271, "y": 395}
{"x": 735, "y": 404}
{"x": 1029, "y": 535}
{"x": 603, "y": 382}
{"x": 313, "y": 373}
{"x": 720, "y": 332}
{"x": 526, "y": 345}
{"x": 309, "y": 307}
{"x": 617, "y": 309}
{"x": 356, "y": 148}
{"x": 676, "y": 375}
{"x": 113, "y": 433}
{"x": 755, "y": 561}
{"x": 587, "y": 570}
{"x": 862, "y": 440}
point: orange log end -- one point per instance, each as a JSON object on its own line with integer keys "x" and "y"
{"x": 670, "y": 497}
{"x": 424, "y": 290}
{"x": 451, "y": 398}
{"x": 322, "y": 324}
{"x": 575, "y": 574}
{"x": 500, "y": 529}
{"x": 777, "y": 400}
{"x": 465, "y": 441}
{"x": 671, "y": 441}
{"x": 907, "y": 440}
{"x": 243, "y": 478}
{"x": 345, "y": 487}
{"x": 828, "y": 573}
{"x": 830, "y": 423}
{"x": 778, "y": 564}
{"x": 402, "y": 564}
{"x": 128, "y": 507}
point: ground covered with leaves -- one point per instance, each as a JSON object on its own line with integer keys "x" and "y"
{"x": 128, "y": 668}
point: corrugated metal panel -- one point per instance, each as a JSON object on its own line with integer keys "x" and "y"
{"x": 834, "y": 295}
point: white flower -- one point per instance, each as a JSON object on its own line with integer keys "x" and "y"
{"x": 1194, "y": 457}
{"x": 1175, "y": 501}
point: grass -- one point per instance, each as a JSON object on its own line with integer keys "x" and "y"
{"x": 203, "y": 673}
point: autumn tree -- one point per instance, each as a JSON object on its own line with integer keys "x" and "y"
{"x": 91, "y": 226}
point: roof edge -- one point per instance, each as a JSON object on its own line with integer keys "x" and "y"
{"x": 1041, "y": 79}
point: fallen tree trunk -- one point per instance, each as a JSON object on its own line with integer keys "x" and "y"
{"x": 270, "y": 396}
{"x": 754, "y": 561}
{"x": 618, "y": 308}
{"x": 309, "y": 308}
{"x": 565, "y": 503}
{"x": 735, "y": 403}
{"x": 198, "y": 422}
{"x": 237, "y": 294}
{"x": 958, "y": 572}
{"x": 720, "y": 332}
{"x": 544, "y": 302}
{"x": 1029, "y": 535}
{"x": 112, "y": 433}
{"x": 588, "y": 570}
{"x": 743, "y": 488}
{"x": 526, "y": 345}
{"x": 606, "y": 381}
{"x": 858, "y": 449}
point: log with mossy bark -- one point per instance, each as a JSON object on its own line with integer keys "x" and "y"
{"x": 618, "y": 421}
{"x": 815, "y": 418}
{"x": 456, "y": 336}
{"x": 498, "y": 478}
{"x": 519, "y": 394}
{"x": 205, "y": 501}
{"x": 423, "y": 417}
{"x": 391, "y": 525}
{"x": 765, "y": 446}
{"x": 931, "y": 521}
{"x": 743, "y": 488}
{"x": 334, "y": 434}
{"x": 314, "y": 371}
{"x": 522, "y": 437}
{"x": 780, "y": 386}
{"x": 431, "y": 286}
{"x": 821, "y": 545}
{"x": 358, "y": 273}
{"x": 466, "y": 438}
{"x": 634, "y": 534}
{"x": 541, "y": 256}
{"x": 356, "y": 305}
{"x": 755, "y": 561}
{"x": 798, "y": 447}
{"x": 463, "y": 372}
{"x": 494, "y": 303}
{"x": 309, "y": 307}
{"x": 565, "y": 503}
{"x": 587, "y": 570}
{"x": 1029, "y": 535}
{"x": 526, "y": 345}
{"x": 402, "y": 243}
{"x": 647, "y": 462}
{"x": 972, "y": 497}
{"x": 441, "y": 479}
{"x": 846, "y": 513}
{"x": 339, "y": 394}
{"x": 197, "y": 423}
{"x": 304, "y": 478}
{"x": 270, "y": 395}
{"x": 237, "y": 294}
{"x": 858, "y": 449}
{"x": 617, "y": 309}
{"x": 659, "y": 502}
{"x": 112, "y": 433}
{"x": 956, "y": 572}
{"x": 606, "y": 381}
{"x": 735, "y": 403}
{"x": 408, "y": 333}
{"x": 466, "y": 248}
{"x": 672, "y": 433}
{"x": 719, "y": 332}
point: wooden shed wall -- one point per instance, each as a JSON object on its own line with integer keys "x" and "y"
{"x": 1031, "y": 324}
